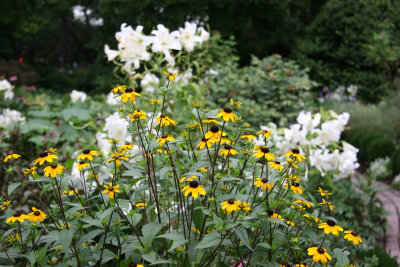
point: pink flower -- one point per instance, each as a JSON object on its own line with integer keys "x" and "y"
{"x": 13, "y": 78}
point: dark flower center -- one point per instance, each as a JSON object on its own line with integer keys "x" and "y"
{"x": 295, "y": 151}
{"x": 17, "y": 214}
{"x": 43, "y": 155}
{"x": 241, "y": 206}
{"x": 36, "y": 213}
{"x": 214, "y": 129}
{"x": 264, "y": 149}
{"x": 228, "y": 110}
{"x": 82, "y": 162}
{"x": 231, "y": 201}
{"x": 162, "y": 116}
{"x": 193, "y": 184}
{"x": 270, "y": 213}
{"x": 296, "y": 184}
{"x": 227, "y": 147}
{"x": 321, "y": 250}
{"x": 330, "y": 223}
{"x": 54, "y": 166}
{"x": 264, "y": 180}
{"x": 111, "y": 189}
{"x": 164, "y": 136}
{"x": 354, "y": 233}
{"x": 86, "y": 151}
{"x": 132, "y": 264}
{"x": 277, "y": 162}
{"x": 129, "y": 90}
{"x": 204, "y": 140}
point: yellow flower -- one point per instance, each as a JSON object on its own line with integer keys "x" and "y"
{"x": 210, "y": 120}
{"x": 160, "y": 151}
{"x": 13, "y": 239}
{"x": 118, "y": 88}
{"x": 5, "y": 204}
{"x": 331, "y": 227}
{"x": 196, "y": 230}
{"x": 290, "y": 223}
{"x": 235, "y": 104}
{"x": 194, "y": 188}
{"x": 204, "y": 142}
{"x": 225, "y": 141}
{"x": 263, "y": 151}
{"x": 295, "y": 187}
{"x": 70, "y": 192}
{"x": 324, "y": 193}
{"x": 88, "y": 154}
{"x": 275, "y": 165}
{"x": 292, "y": 163}
{"x": 165, "y": 120}
{"x": 214, "y": 134}
{"x": 203, "y": 169}
{"x": 117, "y": 157}
{"x": 329, "y": 204}
{"x": 52, "y": 150}
{"x": 272, "y": 214}
{"x": 82, "y": 164}
{"x": 319, "y": 254}
{"x": 164, "y": 138}
{"x": 53, "y": 170}
{"x": 171, "y": 76}
{"x": 300, "y": 204}
{"x": 229, "y": 206}
{"x": 45, "y": 156}
{"x": 121, "y": 109}
{"x": 227, "y": 114}
{"x": 17, "y": 217}
{"x": 353, "y": 236}
{"x": 36, "y": 215}
{"x": 263, "y": 183}
{"x": 141, "y": 204}
{"x": 227, "y": 151}
{"x": 295, "y": 154}
{"x": 125, "y": 148}
{"x": 111, "y": 190}
{"x": 155, "y": 101}
{"x": 129, "y": 95}
{"x": 137, "y": 115}
{"x": 11, "y": 156}
{"x": 194, "y": 125}
{"x": 30, "y": 170}
{"x": 316, "y": 219}
{"x": 248, "y": 137}
{"x": 113, "y": 141}
{"x": 265, "y": 133}
{"x": 183, "y": 178}
{"x": 243, "y": 206}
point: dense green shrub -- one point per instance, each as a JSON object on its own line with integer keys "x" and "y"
{"x": 396, "y": 162}
{"x": 362, "y": 141}
{"x": 379, "y": 148}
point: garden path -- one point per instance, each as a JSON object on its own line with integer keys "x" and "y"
{"x": 391, "y": 201}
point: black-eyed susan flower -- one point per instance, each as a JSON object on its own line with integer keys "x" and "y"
{"x": 87, "y": 154}
{"x": 141, "y": 204}
{"x": 137, "y": 115}
{"x": 263, "y": 183}
{"x": 323, "y": 193}
{"x": 292, "y": 163}
{"x": 164, "y": 120}
{"x": 203, "y": 169}
{"x": 113, "y": 141}
{"x": 263, "y": 151}
{"x": 295, "y": 154}
{"x": 353, "y": 236}
{"x": 13, "y": 239}
{"x": 228, "y": 150}
{"x": 196, "y": 230}
{"x": 248, "y": 137}
{"x": 331, "y": 227}
{"x": 187, "y": 179}
{"x": 204, "y": 142}
{"x": 135, "y": 265}
{"x": 17, "y": 217}
{"x": 165, "y": 138}
{"x": 53, "y": 170}
{"x": 194, "y": 188}
{"x": 265, "y": 133}
{"x": 227, "y": 114}
{"x": 121, "y": 109}
{"x": 52, "y": 150}
{"x": 111, "y": 190}
{"x": 45, "y": 156}
{"x": 310, "y": 218}
{"x": 82, "y": 164}
{"x": 160, "y": 151}
{"x": 125, "y": 148}
{"x": 36, "y": 215}
{"x": 171, "y": 76}
{"x": 275, "y": 215}
{"x": 70, "y": 192}
{"x": 319, "y": 254}
{"x": 235, "y": 103}
{"x": 5, "y": 204}
{"x": 290, "y": 223}
{"x": 229, "y": 206}
{"x": 275, "y": 165}
{"x": 129, "y": 94}
{"x": 210, "y": 120}
{"x": 243, "y": 205}
{"x": 301, "y": 204}
{"x": 155, "y": 101}
{"x": 117, "y": 157}
{"x": 30, "y": 170}
{"x": 11, "y": 156}
{"x": 118, "y": 89}
{"x": 225, "y": 141}
{"x": 328, "y": 204}
{"x": 214, "y": 134}
{"x": 295, "y": 187}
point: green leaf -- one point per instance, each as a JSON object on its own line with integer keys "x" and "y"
{"x": 31, "y": 256}
{"x": 342, "y": 259}
{"x": 198, "y": 218}
{"x": 264, "y": 245}
{"x": 89, "y": 236}
{"x": 243, "y": 236}
{"x": 65, "y": 237}
{"x": 81, "y": 114}
{"x": 149, "y": 231}
{"x": 12, "y": 187}
{"x": 106, "y": 213}
{"x": 178, "y": 239}
{"x": 209, "y": 240}
{"x": 219, "y": 224}
{"x": 92, "y": 222}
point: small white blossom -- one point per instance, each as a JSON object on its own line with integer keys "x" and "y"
{"x": 77, "y": 96}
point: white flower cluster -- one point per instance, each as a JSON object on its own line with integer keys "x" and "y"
{"x": 77, "y": 96}
{"x": 316, "y": 138}
{"x": 82, "y": 14}
{"x": 7, "y": 88}
{"x": 379, "y": 168}
{"x": 133, "y": 44}
{"x": 9, "y": 117}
